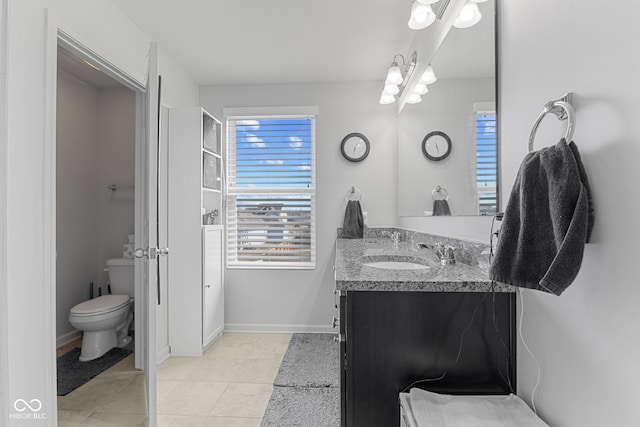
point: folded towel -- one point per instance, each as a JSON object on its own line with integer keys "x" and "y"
{"x": 548, "y": 220}
{"x": 353, "y": 225}
{"x": 441, "y": 208}
{"x": 440, "y": 410}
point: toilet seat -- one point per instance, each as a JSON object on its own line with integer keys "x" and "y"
{"x": 101, "y": 305}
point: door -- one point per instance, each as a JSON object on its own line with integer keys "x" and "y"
{"x": 147, "y": 250}
{"x": 212, "y": 297}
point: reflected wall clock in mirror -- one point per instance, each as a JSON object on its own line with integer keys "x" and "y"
{"x": 436, "y": 145}
{"x": 355, "y": 147}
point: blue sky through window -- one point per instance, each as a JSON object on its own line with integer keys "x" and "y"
{"x": 274, "y": 153}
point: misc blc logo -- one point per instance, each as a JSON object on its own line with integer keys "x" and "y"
{"x": 28, "y": 410}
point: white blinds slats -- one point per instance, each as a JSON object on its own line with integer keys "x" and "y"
{"x": 271, "y": 192}
{"x": 486, "y": 162}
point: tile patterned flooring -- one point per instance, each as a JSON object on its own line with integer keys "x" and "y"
{"x": 229, "y": 386}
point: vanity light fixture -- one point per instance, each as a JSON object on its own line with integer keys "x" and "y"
{"x": 428, "y": 77}
{"x": 391, "y": 89}
{"x": 421, "y": 14}
{"x": 469, "y": 14}
{"x": 414, "y": 98}
{"x": 420, "y": 89}
{"x": 397, "y": 78}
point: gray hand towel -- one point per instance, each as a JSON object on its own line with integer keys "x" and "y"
{"x": 441, "y": 208}
{"x": 353, "y": 225}
{"x": 547, "y": 222}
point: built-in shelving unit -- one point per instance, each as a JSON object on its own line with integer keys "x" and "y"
{"x": 196, "y": 278}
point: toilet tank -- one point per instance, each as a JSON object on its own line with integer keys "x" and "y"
{"x": 121, "y": 276}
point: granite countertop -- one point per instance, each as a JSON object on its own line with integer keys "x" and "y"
{"x": 352, "y": 275}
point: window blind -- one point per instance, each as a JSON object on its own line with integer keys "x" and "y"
{"x": 271, "y": 192}
{"x": 486, "y": 163}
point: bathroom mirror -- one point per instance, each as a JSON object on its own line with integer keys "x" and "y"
{"x": 462, "y": 104}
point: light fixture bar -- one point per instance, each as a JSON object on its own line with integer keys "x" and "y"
{"x": 397, "y": 84}
{"x": 442, "y": 7}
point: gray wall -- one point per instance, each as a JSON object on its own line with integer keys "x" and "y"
{"x": 449, "y": 108}
{"x": 95, "y": 148}
{"x": 303, "y": 300}
{"x": 586, "y": 340}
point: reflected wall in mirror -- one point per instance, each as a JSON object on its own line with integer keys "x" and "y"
{"x": 461, "y": 103}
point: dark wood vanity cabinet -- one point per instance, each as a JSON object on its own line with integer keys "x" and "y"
{"x": 390, "y": 339}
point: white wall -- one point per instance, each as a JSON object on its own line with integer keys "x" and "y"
{"x": 3, "y": 208}
{"x": 475, "y": 228}
{"x": 31, "y": 360}
{"x": 115, "y": 161}
{"x": 303, "y": 300}
{"x": 76, "y": 210}
{"x": 449, "y": 108}
{"x": 95, "y": 145}
{"x": 178, "y": 90}
{"x": 586, "y": 340}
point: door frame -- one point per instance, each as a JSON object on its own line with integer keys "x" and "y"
{"x": 4, "y": 322}
{"x": 58, "y": 33}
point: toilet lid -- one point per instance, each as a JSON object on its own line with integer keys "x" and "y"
{"x": 103, "y": 304}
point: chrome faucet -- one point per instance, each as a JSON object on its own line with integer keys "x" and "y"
{"x": 395, "y": 237}
{"x": 446, "y": 254}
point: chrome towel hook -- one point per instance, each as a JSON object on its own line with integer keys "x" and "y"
{"x": 563, "y": 109}
{"x": 353, "y": 194}
{"x": 439, "y": 193}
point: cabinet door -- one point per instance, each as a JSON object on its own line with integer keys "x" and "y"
{"x": 212, "y": 291}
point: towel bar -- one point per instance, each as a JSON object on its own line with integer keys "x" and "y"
{"x": 563, "y": 109}
{"x": 353, "y": 194}
{"x": 444, "y": 194}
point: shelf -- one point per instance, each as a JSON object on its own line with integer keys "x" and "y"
{"x": 211, "y": 152}
{"x": 211, "y": 190}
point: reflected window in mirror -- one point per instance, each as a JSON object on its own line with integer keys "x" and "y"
{"x": 465, "y": 63}
{"x": 486, "y": 162}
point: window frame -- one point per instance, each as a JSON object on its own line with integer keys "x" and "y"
{"x": 486, "y": 109}
{"x": 268, "y": 113}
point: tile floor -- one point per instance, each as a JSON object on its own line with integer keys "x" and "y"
{"x": 229, "y": 386}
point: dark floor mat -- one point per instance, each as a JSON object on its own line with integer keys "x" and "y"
{"x": 311, "y": 360}
{"x": 72, "y": 373}
{"x": 303, "y": 407}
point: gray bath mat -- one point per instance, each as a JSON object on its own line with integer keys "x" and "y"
{"x": 303, "y": 407}
{"x": 311, "y": 360}
{"x": 72, "y": 373}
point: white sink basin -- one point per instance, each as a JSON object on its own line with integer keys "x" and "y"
{"x": 396, "y": 265}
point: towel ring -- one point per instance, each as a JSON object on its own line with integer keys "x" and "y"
{"x": 563, "y": 110}
{"x": 353, "y": 194}
{"x": 440, "y": 190}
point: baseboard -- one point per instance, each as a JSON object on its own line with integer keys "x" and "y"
{"x": 276, "y": 328}
{"x": 68, "y": 337}
{"x": 163, "y": 354}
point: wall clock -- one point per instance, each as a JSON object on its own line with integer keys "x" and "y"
{"x": 355, "y": 147}
{"x": 436, "y": 145}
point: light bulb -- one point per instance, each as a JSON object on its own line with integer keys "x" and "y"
{"x": 421, "y": 16}
{"x": 394, "y": 75}
{"x": 469, "y": 15}
{"x": 414, "y": 98}
{"x": 390, "y": 90}
{"x": 428, "y": 77}
{"x": 420, "y": 89}
{"x": 387, "y": 99}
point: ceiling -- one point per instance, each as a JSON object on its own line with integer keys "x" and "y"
{"x": 84, "y": 71}
{"x": 276, "y": 41}
{"x": 291, "y": 41}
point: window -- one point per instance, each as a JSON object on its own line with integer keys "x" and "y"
{"x": 271, "y": 190}
{"x": 486, "y": 163}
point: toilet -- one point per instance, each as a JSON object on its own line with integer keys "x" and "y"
{"x": 105, "y": 320}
